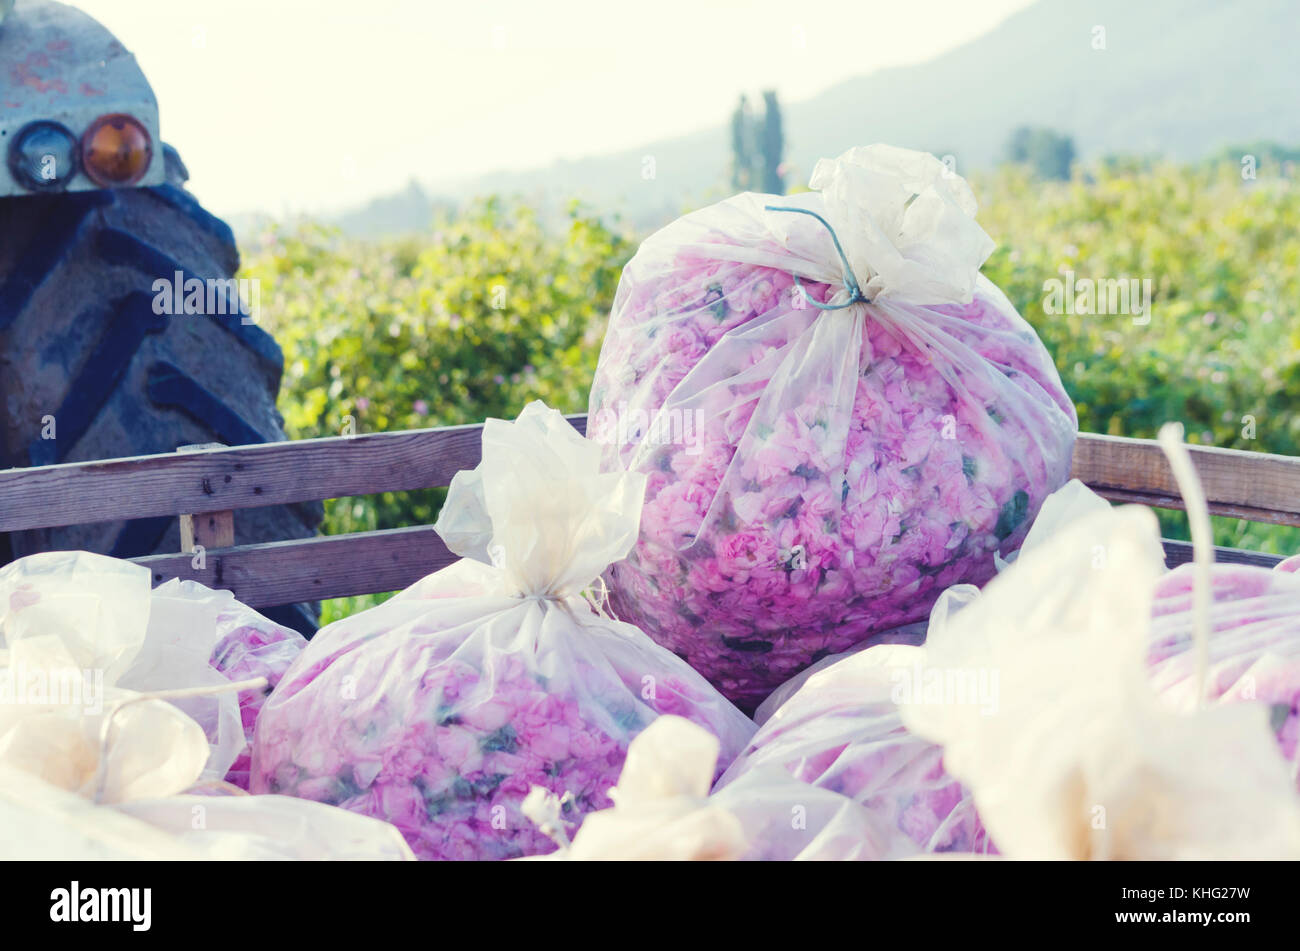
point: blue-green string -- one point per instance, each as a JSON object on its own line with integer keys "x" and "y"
{"x": 850, "y": 281}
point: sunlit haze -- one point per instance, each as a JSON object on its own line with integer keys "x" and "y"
{"x": 286, "y": 106}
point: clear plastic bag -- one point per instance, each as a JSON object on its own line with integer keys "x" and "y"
{"x": 112, "y": 708}
{"x": 1253, "y": 651}
{"x": 814, "y": 476}
{"x": 243, "y": 828}
{"x": 439, "y": 709}
{"x": 1081, "y": 757}
{"x": 43, "y": 821}
{"x": 247, "y": 645}
{"x": 842, "y": 731}
{"x": 662, "y": 810}
{"x": 82, "y": 637}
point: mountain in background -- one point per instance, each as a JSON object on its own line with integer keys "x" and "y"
{"x": 1182, "y": 78}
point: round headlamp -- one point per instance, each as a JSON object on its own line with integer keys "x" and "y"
{"x": 116, "y": 150}
{"x": 43, "y": 156}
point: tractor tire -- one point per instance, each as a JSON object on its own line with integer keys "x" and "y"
{"x": 86, "y": 360}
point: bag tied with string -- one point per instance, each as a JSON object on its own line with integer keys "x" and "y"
{"x": 839, "y": 724}
{"x": 84, "y": 656}
{"x": 120, "y": 714}
{"x": 1084, "y": 756}
{"x": 837, "y": 417}
{"x": 440, "y": 709}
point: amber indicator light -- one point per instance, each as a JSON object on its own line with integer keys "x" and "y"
{"x": 116, "y": 150}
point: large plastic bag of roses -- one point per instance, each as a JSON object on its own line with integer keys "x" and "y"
{"x": 180, "y": 634}
{"x": 841, "y": 727}
{"x": 441, "y": 708}
{"x": 78, "y": 630}
{"x": 117, "y": 724}
{"x": 837, "y": 417}
{"x": 1083, "y": 756}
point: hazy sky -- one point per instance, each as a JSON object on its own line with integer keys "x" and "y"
{"x": 290, "y": 106}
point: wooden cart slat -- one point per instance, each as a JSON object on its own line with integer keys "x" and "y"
{"x": 240, "y": 477}
{"x": 341, "y": 566}
{"x": 331, "y": 566}
{"x": 1238, "y": 484}
{"x": 1251, "y": 485}
{"x": 1180, "y": 553}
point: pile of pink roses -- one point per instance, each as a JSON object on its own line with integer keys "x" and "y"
{"x": 250, "y": 646}
{"x": 449, "y": 755}
{"x": 783, "y": 526}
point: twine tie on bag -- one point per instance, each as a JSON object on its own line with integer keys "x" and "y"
{"x": 850, "y": 280}
{"x": 1198, "y": 517}
{"x": 595, "y": 598}
{"x": 599, "y": 600}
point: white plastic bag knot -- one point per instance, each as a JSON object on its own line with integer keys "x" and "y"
{"x": 539, "y": 509}
{"x": 661, "y": 805}
{"x": 906, "y": 222}
{"x": 106, "y": 690}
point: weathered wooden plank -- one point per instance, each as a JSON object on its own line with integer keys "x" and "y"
{"x": 207, "y": 530}
{"x": 1254, "y": 486}
{"x": 1180, "y": 553}
{"x": 1250, "y": 485}
{"x": 204, "y": 530}
{"x": 332, "y": 566}
{"x": 339, "y": 566}
{"x": 237, "y": 478}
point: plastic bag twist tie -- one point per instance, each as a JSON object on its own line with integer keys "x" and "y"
{"x": 850, "y": 280}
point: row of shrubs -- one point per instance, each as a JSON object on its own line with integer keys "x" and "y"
{"x": 490, "y": 309}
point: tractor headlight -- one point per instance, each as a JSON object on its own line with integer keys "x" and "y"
{"x": 43, "y": 156}
{"x": 116, "y": 150}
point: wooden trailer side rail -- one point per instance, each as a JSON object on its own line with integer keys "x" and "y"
{"x": 204, "y": 486}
